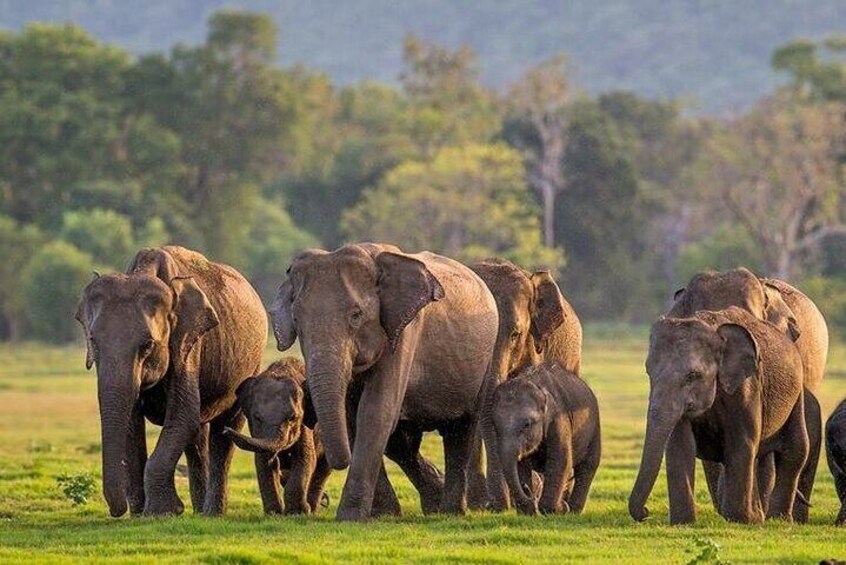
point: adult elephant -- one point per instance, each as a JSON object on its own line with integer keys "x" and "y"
{"x": 536, "y": 324}
{"x": 724, "y": 387}
{"x": 413, "y": 332}
{"x": 795, "y": 315}
{"x": 172, "y": 339}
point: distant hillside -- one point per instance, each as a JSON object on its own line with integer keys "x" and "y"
{"x": 713, "y": 51}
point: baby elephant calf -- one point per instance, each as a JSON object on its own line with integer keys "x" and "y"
{"x": 835, "y": 451}
{"x": 547, "y": 420}
{"x": 287, "y": 451}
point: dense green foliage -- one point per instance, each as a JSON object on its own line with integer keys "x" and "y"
{"x": 216, "y": 147}
{"x": 714, "y": 52}
{"x": 49, "y": 428}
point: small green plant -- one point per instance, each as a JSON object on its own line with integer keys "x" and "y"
{"x": 76, "y": 488}
{"x": 707, "y": 551}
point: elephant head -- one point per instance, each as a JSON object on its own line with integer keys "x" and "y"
{"x": 275, "y": 405}
{"x": 348, "y": 308}
{"x": 520, "y": 415}
{"x": 711, "y": 290}
{"x": 530, "y": 308}
{"x": 690, "y": 362}
{"x": 137, "y": 327}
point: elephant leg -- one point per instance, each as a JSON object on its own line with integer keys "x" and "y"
{"x": 404, "y": 449}
{"x": 477, "y": 490}
{"x": 739, "y": 501}
{"x": 766, "y": 480}
{"x": 136, "y": 459}
{"x": 558, "y": 468}
{"x": 197, "y": 455}
{"x": 181, "y": 426}
{"x": 378, "y": 412}
{"x": 385, "y": 501}
{"x": 318, "y": 484}
{"x": 813, "y": 424}
{"x": 583, "y": 475}
{"x": 267, "y": 474}
{"x": 498, "y": 497}
{"x": 713, "y": 471}
{"x": 458, "y": 438}
{"x": 790, "y": 461}
{"x": 681, "y": 473}
{"x": 221, "y": 450}
{"x": 302, "y": 469}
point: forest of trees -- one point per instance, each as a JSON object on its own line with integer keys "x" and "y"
{"x": 218, "y": 148}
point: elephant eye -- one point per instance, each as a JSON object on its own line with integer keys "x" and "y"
{"x": 693, "y": 376}
{"x": 356, "y": 315}
{"x": 146, "y": 348}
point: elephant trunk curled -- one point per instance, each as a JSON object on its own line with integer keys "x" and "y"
{"x": 523, "y": 498}
{"x": 659, "y": 425}
{"x": 117, "y": 395}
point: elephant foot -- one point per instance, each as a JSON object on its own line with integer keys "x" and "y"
{"x": 560, "y": 508}
{"x": 170, "y": 506}
{"x": 300, "y": 508}
{"x": 841, "y": 516}
{"x": 351, "y": 515}
{"x": 528, "y": 509}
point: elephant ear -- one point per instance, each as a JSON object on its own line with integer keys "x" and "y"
{"x": 548, "y": 309}
{"x": 244, "y": 392}
{"x": 406, "y": 286}
{"x": 779, "y": 313}
{"x": 85, "y": 317}
{"x": 194, "y": 316}
{"x": 739, "y": 359}
{"x": 282, "y": 319}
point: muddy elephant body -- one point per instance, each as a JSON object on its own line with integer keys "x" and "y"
{"x": 413, "y": 332}
{"x": 796, "y": 316}
{"x": 835, "y": 452}
{"x": 172, "y": 339}
{"x": 547, "y": 421}
{"x": 536, "y": 324}
{"x": 724, "y": 387}
{"x": 288, "y": 451}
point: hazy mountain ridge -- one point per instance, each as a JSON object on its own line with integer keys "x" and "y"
{"x": 714, "y": 52}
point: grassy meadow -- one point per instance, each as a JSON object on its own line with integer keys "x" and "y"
{"x": 49, "y": 426}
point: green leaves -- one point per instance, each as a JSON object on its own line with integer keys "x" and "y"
{"x": 468, "y": 202}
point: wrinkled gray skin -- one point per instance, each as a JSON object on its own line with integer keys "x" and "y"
{"x": 172, "y": 339}
{"x": 536, "y": 323}
{"x": 414, "y": 332}
{"x": 547, "y": 420}
{"x": 795, "y": 315}
{"x": 724, "y": 387}
{"x": 835, "y": 452}
{"x": 288, "y": 453}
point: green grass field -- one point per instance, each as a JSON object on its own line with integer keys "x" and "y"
{"x": 49, "y": 426}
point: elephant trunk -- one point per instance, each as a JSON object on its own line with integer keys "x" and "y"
{"x": 255, "y": 445}
{"x": 498, "y": 498}
{"x": 659, "y": 425}
{"x": 328, "y": 388}
{"x": 523, "y": 498}
{"x": 117, "y": 395}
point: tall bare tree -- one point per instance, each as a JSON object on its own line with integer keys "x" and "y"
{"x": 777, "y": 170}
{"x": 538, "y": 105}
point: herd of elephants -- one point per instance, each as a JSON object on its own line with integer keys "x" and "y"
{"x": 396, "y": 344}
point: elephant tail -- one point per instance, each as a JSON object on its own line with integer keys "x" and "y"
{"x": 801, "y": 498}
